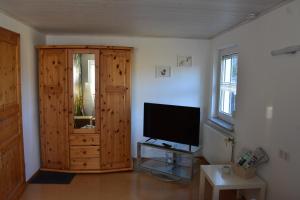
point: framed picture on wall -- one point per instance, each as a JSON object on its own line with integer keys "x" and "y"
{"x": 162, "y": 71}
{"x": 184, "y": 61}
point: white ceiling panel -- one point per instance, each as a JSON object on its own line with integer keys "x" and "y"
{"x": 158, "y": 18}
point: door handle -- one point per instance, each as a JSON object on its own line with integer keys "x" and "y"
{"x": 1, "y": 160}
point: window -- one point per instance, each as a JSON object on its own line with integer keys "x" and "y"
{"x": 91, "y": 75}
{"x": 228, "y": 81}
{"x": 225, "y": 95}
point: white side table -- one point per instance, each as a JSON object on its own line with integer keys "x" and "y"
{"x": 219, "y": 181}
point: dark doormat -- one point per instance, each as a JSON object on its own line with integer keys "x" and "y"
{"x": 43, "y": 177}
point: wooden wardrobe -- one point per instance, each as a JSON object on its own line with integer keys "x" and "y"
{"x": 85, "y": 108}
{"x": 12, "y": 178}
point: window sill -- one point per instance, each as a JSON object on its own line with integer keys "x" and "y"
{"x": 222, "y": 124}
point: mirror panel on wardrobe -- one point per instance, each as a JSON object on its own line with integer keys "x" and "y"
{"x": 83, "y": 83}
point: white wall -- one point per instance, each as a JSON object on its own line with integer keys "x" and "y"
{"x": 29, "y": 89}
{"x": 187, "y": 86}
{"x": 265, "y": 81}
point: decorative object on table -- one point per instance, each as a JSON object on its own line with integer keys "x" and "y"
{"x": 184, "y": 61}
{"x": 249, "y": 161}
{"x": 226, "y": 169}
{"x": 162, "y": 71}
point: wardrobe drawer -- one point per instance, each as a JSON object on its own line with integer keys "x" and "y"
{"x": 84, "y": 139}
{"x": 85, "y": 151}
{"x": 85, "y": 163}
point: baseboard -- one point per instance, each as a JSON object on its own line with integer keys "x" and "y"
{"x": 88, "y": 171}
{"x": 34, "y": 175}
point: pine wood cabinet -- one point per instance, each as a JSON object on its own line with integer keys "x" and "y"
{"x": 85, "y": 108}
{"x": 12, "y": 178}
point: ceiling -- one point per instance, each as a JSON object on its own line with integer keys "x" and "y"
{"x": 157, "y": 18}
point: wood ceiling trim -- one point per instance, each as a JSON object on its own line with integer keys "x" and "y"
{"x": 81, "y": 47}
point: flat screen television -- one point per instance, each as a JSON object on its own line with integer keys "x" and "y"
{"x": 172, "y": 123}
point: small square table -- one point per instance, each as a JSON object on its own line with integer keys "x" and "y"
{"x": 221, "y": 181}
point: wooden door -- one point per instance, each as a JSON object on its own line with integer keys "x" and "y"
{"x": 12, "y": 172}
{"x": 54, "y": 109}
{"x": 115, "y": 109}
{"x": 12, "y": 178}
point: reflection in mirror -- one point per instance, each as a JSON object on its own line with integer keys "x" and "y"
{"x": 84, "y": 90}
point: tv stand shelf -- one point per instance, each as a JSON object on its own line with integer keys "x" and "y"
{"x": 176, "y": 163}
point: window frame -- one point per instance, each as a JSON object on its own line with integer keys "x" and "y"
{"x": 90, "y": 63}
{"x": 222, "y": 53}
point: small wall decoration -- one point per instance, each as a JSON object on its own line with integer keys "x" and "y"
{"x": 162, "y": 71}
{"x": 184, "y": 61}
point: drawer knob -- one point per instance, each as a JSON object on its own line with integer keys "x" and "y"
{"x": 84, "y": 164}
{"x": 84, "y": 140}
{"x": 84, "y": 152}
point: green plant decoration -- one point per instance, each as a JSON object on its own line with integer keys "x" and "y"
{"x": 77, "y": 86}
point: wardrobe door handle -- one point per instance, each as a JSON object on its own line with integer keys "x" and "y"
{"x": 1, "y": 160}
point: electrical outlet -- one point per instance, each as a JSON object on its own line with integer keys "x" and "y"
{"x": 284, "y": 155}
{"x": 269, "y": 112}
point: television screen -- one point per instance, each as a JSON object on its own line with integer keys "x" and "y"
{"x": 172, "y": 123}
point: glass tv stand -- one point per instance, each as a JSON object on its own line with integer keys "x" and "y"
{"x": 174, "y": 163}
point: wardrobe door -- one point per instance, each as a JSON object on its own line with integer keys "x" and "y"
{"x": 115, "y": 109}
{"x": 12, "y": 180}
{"x": 53, "y": 109}
{"x": 84, "y": 117}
